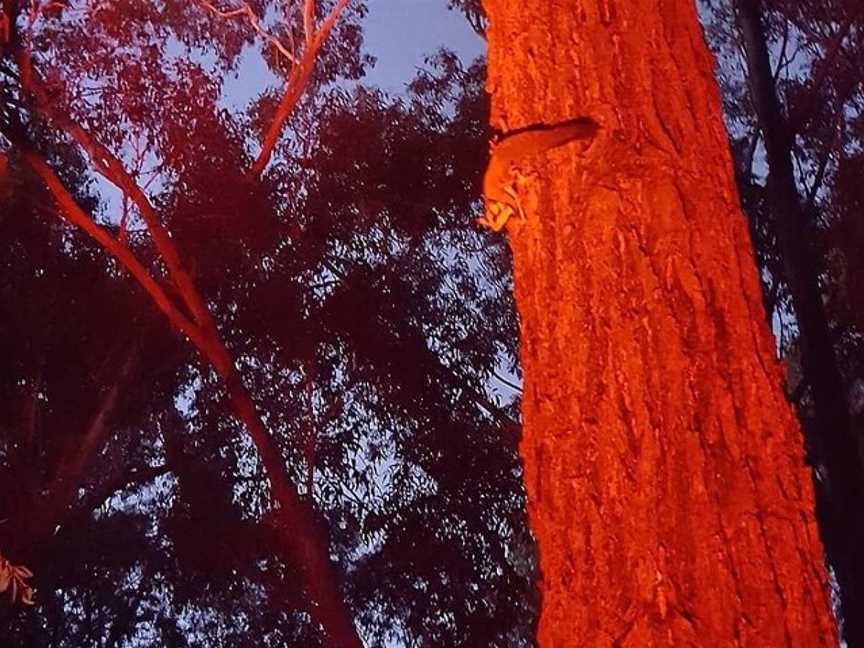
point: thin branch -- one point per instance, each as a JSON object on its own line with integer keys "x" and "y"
{"x": 301, "y": 70}
{"x": 311, "y": 428}
{"x": 751, "y": 153}
{"x": 823, "y": 164}
{"x": 511, "y": 385}
{"x": 124, "y": 218}
{"x": 782, "y": 57}
{"x": 72, "y": 213}
{"x": 294, "y": 88}
{"x": 308, "y": 20}
{"x": 247, "y": 11}
{"x": 96, "y": 498}
{"x": 820, "y": 176}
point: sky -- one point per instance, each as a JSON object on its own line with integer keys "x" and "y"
{"x": 400, "y": 33}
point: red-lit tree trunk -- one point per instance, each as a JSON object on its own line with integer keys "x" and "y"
{"x": 665, "y": 473}
{"x": 833, "y": 436}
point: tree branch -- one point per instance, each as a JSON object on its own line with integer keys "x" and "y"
{"x": 305, "y": 540}
{"x": 69, "y": 475}
{"x": 247, "y": 11}
{"x": 308, "y": 20}
{"x": 294, "y": 88}
{"x": 306, "y": 543}
{"x": 71, "y": 212}
{"x": 311, "y": 428}
{"x": 111, "y": 168}
{"x": 125, "y": 481}
{"x": 301, "y": 69}
{"x": 510, "y": 384}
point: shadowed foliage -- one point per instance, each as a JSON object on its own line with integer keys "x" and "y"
{"x": 366, "y": 314}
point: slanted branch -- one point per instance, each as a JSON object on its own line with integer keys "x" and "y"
{"x": 246, "y": 11}
{"x": 302, "y": 65}
{"x": 305, "y": 542}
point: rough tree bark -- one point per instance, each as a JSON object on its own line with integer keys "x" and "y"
{"x": 665, "y": 472}
{"x": 833, "y": 438}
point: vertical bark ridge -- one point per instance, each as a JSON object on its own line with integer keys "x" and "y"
{"x": 667, "y": 488}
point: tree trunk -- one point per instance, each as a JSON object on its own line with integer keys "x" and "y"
{"x": 833, "y": 439}
{"x": 665, "y": 473}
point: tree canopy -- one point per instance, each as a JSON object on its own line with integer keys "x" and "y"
{"x": 241, "y": 338}
{"x": 365, "y": 314}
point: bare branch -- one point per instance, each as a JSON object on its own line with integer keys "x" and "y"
{"x": 782, "y": 61}
{"x": 823, "y": 163}
{"x": 304, "y": 540}
{"x": 509, "y": 383}
{"x": 301, "y": 70}
{"x": 76, "y": 216}
{"x": 297, "y": 82}
{"x": 123, "y": 235}
{"x": 311, "y": 428}
{"x": 111, "y": 168}
{"x": 309, "y": 20}
{"x": 126, "y": 480}
{"x": 70, "y": 473}
{"x": 247, "y": 11}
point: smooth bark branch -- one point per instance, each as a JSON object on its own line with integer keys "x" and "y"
{"x": 247, "y": 11}
{"x": 34, "y": 526}
{"x": 76, "y": 216}
{"x": 308, "y": 20}
{"x": 298, "y": 79}
{"x": 111, "y": 168}
{"x": 301, "y": 69}
{"x": 305, "y": 541}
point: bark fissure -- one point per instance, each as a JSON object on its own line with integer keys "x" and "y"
{"x": 645, "y": 366}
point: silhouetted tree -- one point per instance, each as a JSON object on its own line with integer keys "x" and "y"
{"x": 365, "y": 314}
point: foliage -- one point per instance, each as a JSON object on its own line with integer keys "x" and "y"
{"x": 815, "y": 51}
{"x": 366, "y": 313}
